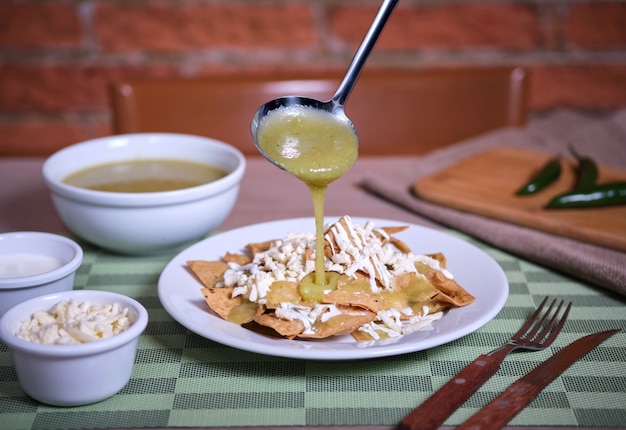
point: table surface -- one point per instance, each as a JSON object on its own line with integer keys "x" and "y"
{"x": 183, "y": 380}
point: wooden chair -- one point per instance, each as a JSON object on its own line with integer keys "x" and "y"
{"x": 394, "y": 112}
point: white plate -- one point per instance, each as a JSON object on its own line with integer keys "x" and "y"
{"x": 179, "y": 292}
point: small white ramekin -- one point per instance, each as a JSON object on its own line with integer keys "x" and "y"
{"x": 68, "y": 253}
{"x": 73, "y": 375}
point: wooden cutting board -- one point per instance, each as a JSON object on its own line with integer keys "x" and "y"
{"x": 485, "y": 184}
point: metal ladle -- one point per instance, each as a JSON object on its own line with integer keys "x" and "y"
{"x": 336, "y": 103}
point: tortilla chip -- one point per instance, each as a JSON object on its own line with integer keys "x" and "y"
{"x": 208, "y": 272}
{"x": 396, "y": 229}
{"x": 282, "y": 291}
{"x": 220, "y": 300}
{"x": 440, "y": 257}
{"x": 377, "y": 267}
{"x": 361, "y": 336}
{"x": 308, "y": 255}
{"x": 433, "y": 305}
{"x": 417, "y": 287}
{"x": 348, "y": 298}
{"x": 234, "y": 309}
{"x": 330, "y": 242}
{"x": 240, "y": 259}
{"x": 286, "y": 328}
{"x": 387, "y": 236}
{"x": 342, "y": 324}
{"x": 245, "y": 312}
{"x": 255, "y": 248}
{"x": 393, "y": 300}
{"x": 448, "y": 290}
{"x": 403, "y": 280}
{"x": 401, "y": 246}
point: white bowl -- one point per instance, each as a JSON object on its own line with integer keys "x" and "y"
{"x": 72, "y": 375}
{"x": 144, "y": 223}
{"x": 33, "y": 264}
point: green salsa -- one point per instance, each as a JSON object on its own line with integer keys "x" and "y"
{"x": 144, "y": 176}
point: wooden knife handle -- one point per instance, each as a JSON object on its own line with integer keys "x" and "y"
{"x": 503, "y": 408}
{"x": 437, "y": 408}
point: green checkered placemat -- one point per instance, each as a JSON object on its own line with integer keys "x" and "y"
{"x": 183, "y": 380}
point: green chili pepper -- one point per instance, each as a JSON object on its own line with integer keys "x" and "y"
{"x": 548, "y": 174}
{"x": 609, "y": 194}
{"x": 587, "y": 171}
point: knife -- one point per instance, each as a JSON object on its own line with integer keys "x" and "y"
{"x": 507, "y": 405}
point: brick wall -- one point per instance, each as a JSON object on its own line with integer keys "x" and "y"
{"x": 56, "y": 56}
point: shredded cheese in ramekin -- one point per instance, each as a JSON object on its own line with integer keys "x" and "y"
{"x": 69, "y": 323}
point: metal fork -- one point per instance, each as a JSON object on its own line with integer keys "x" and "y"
{"x": 537, "y": 333}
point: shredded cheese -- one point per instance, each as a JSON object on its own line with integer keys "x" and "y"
{"x": 69, "y": 322}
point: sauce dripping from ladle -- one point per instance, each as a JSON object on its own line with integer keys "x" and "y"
{"x": 314, "y": 140}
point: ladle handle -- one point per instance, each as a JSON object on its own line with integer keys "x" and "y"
{"x": 346, "y": 85}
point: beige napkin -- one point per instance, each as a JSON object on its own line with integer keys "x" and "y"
{"x": 604, "y": 138}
